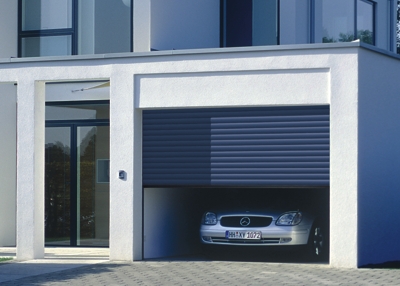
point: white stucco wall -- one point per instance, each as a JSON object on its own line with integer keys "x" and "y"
{"x": 233, "y": 88}
{"x": 379, "y": 159}
{"x": 125, "y": 155}
{"x": 8, "y": 28}
{"x": 182, "y": 24}
{"x": 302, "y": 75}
{"x": 8, "y": 158}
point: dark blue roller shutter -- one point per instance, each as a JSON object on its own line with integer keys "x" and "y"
{"x": 274, "y": 146}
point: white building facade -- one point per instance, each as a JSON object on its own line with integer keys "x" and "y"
{"x": 77, "y": 81}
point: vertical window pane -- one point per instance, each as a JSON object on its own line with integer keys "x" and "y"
{"x": 365, "y": 21}
{"x": 238, "y": 23}
{"x": 57, "y": 185}
{"x": 46, "y": 14}
{"x": 250, "y": 23}
{"x": 294, "y": 26}
{"x": 104, "y": 26}
{"x": 93, "y": 153}
{"x": 46, "y": 46}
{"x": 337, "y": 21}
{"x": 265, "y": 18}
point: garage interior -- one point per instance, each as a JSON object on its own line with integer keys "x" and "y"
{"x": 172, "y": 216}
{"x": 196, "y": 160}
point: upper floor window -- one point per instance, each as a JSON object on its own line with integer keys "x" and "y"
{"x": 249, "y": 22}
{"x": 69, "y": 27}
{"x": 344, "y": 21}
{"x": 46, "y": 14}
{"x": 263, "y": 22}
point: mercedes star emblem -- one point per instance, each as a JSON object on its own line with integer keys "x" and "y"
{"x": 245, "y": 221}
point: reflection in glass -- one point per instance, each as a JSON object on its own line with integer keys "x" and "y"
{"x": 337, "y": 21}
{"x": 103, "y": 27}
{"x": 295, "y": 25}
{"x": 46, "y": 46}
{"x": 265, "y": 23}
{"x": 57, "y": 185}
{"x": 365, "y": 16}
{"x": 93, "y": 185}
{"x": 46, "y": 14}
{"x": 344, "y": 21}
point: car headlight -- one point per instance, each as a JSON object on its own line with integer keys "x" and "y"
{"x": 290, "y": 218}
{"x": 210, "y": 218}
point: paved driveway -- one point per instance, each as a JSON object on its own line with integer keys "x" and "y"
{"x": 80, "y": 266}
{"x": 211, "y": 273}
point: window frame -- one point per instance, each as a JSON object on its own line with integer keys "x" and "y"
{"x": 73, "y": 31}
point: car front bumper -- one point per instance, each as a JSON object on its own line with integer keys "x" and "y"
{"x": 270, "y": 236}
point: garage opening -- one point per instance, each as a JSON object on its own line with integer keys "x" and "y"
{"x": 195, "y": 160}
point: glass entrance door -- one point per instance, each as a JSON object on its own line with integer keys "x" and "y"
{"x": 77, "y": 184}
{"x": 58, "y": 185}
{"x": 93, "y": 185}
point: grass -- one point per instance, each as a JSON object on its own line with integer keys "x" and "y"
{"x": 3, "y": 259}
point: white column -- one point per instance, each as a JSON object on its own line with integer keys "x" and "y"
{"x": 344, "y": 162}
{"x": 141, "y": 25}
{"x": 30, "y": 169}
{"x": 125, "y": 155}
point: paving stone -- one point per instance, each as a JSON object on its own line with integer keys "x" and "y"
{"x": 211, "y": 273}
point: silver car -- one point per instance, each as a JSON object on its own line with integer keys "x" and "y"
{"x": 251, "y": 227}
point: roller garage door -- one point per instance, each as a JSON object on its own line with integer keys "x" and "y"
{"x": 272, "y": 147}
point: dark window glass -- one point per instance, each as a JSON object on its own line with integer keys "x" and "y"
{"x": 250, "y": 23}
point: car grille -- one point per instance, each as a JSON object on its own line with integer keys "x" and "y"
{"x": 255, "y": 221}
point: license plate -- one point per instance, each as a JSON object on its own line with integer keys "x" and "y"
{"x": 243, "y": 234}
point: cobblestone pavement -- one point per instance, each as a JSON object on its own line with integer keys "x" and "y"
{"x": 212, "y": 273}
